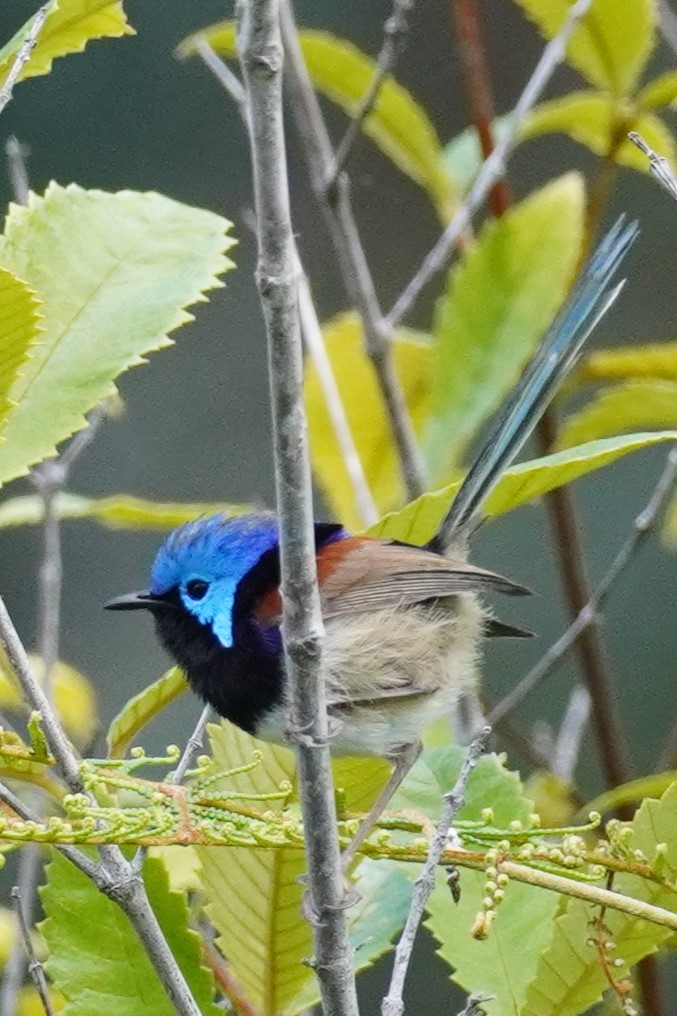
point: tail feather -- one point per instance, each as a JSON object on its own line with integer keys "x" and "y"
{"x": 590, "y": 299}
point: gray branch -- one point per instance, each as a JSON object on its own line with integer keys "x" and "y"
{"x": 337, "y": 208}
{"x": 393, "y": 1003}
{"x": 36, "y": 970}
{"x": 492, "y": 169}
{"x": 23, "y": 55}
{"x": 261, "y": 56}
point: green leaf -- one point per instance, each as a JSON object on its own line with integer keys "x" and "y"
{"x": 592, "y": 119}
{"x": 95, "y": 957}
{"x": 499, "y": 301}
{"x": 622, "y": 408}
{"x": 505, "y": 962}
{"x": 19, "y": 331}
{"x": 114, "y": 272}
{"x": 463, "y": 154}
{"x": 632, "y": 792}
{"x": 366, "y": 415}
{"x": 398, "y": 124}
{"x": 610, "y": 51}
{"x": 117, "y": 511}
{"x": 254, "y": 897}
{"x": 660, "y": 92}
{"x": 570, "y": 977}
{"x": 69, "y": 26}
{"x": 419, "y": 520}
{"x": 657, "y": 360}
{"x": 141, "y": 709}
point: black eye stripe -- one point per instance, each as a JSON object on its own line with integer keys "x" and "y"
{"x": 197, "y": 588}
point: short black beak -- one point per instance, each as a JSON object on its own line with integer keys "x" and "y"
{"x": 143, "y": 600}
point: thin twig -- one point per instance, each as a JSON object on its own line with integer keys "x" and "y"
{"x": 312, "y": 332}
{"x": 23, "y": 55}
{"x": 642, "y": 526}
{"x": 492, "y": 169}
{"x": 35, "y": 968}
{"x": 473, "y": 1006}
{"x": 658, "y": 166}
{"x": 261, "y": 56}
{"x": 394, "y": 37}
{"x": 393, "y": 1004}
{"x": 478, "y": 93}
{"x": 667, "y": 22}
{"x": 359, "y": 284}
{"x": 570, "y": 737}
{"x": 17, "y": 153}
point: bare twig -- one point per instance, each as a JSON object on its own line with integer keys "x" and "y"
{"x": 492, "y": 169}
{"x": 312, "y": 332}
{"x": 658, "y": 166}
{"x": 357, "y": 277}
{"x": 394, "y": 32}
{"x": 667, "y": 21}
{"x": 23, "y": 55}
{"x": 477, "y": 82}
{"x": 473, "y": 1006}
{"x": 193, "y": 745}
{"x": 35, "y": 968}
{"x": 393, "y": 1004}
{"x": 570, "y": 738}
{"x": 17, "y": 154}
{"x": 643, "y": 524}
{"x": 261, "y": 55}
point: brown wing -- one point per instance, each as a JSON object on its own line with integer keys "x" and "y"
{"x": 363, "y": 575}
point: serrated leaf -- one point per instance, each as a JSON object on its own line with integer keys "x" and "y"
{"x": 622, "y": 408}
{"x": 499, "y": 301}
{"x": 141, "y": 709}
{"x": 114, "y": 273}
{"x": 610, "y": 51}
{"x": 74, "y": 696}
{"x": 19, "y": 331}
{"x": 254, "y": 897}
{"x": 419, "y": 520}
{"x": 117, "y": 511}
{"x": 592, "y": 120}
{"x": 656, "y": 360}
{"x": 660, "y": 92}
{"x": 570, "y": 977}
{"x": 398, "y": 124}
{"x": 69, "y": 26}
{"x": 95, "y": 957}
{"x": 363, "y": 403}
{"x": 503, "y": 964}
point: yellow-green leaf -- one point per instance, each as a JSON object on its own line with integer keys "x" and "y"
{"x": 254, "y": 897}
{"x": 592, "y": 119}
{"x": 74, "y": 697}
{"x": 141, "y": 709}
{"x": 499, "y": 301}
{"x": 69, "y": 26}
{"x": 398, "y": 124}
{"x": 117, "y": 511}
{"x": 420, "y": 519}
{"x": 366, "y": 415}
{"x": 608, "y": 49}
{"x": 504, "y": 963}
{"x": 658, "y": 360}
{"x": 114, "y": 273}
{"x": 570, "y": 977}
{"x": 620, "y": 409}
{"x": 660, "y": 92}
{"x": 19, "y": 331}
{"x": 632, "y": 792}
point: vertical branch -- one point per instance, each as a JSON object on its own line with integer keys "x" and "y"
{"x": 23, "y": 55}
{"x": 261, "y": 58}
{"x": 337, "y": 209}
{"x": 472, "y": 52}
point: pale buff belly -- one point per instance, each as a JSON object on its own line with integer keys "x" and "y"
{"x": 390, "y": 673}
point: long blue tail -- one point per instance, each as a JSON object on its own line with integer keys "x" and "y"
{"x": 590, "y": 299}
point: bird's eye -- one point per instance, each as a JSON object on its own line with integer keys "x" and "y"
{"x": 197, "y": 588}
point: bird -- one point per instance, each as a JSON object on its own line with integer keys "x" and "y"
{"x": 403, "y": 623}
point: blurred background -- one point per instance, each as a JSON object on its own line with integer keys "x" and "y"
{"x": 127, "y": 114}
